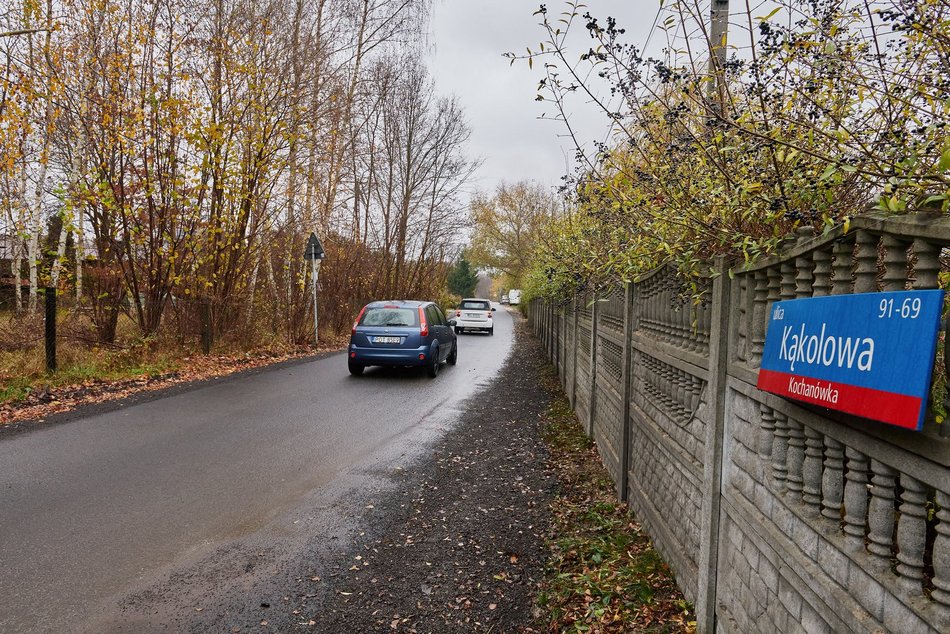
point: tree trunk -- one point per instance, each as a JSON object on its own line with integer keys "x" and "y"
{"x": 16, "y": 267}
{"x": 60, "y": 254}
{"x": 80, "y": 257}
{"x": 249, "y": 300}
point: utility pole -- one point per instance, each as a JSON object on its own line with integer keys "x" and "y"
{"x": 718, "y": 38}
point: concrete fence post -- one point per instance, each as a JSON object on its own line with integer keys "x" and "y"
{"x": 594, "y": 312}
{"x": 547, "y": 328}
{"x": 563, "y": 327}
{"x": 550, "y": 329}
{"x": 575, "y": 346}
{"x": 626, "y": 376}
{"x": 712, "y": 454}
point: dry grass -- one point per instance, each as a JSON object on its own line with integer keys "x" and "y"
{"x": 81, "y": 361}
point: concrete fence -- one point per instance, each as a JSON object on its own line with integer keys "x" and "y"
{"x": 773, "y": 515}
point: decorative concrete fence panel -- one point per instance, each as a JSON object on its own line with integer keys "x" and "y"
{"x": 774, "y": 515}
{"x": 607, "y": 423}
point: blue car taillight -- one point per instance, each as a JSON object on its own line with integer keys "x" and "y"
{"x": 357, "y": 322}
{"x": 423, "y": 325}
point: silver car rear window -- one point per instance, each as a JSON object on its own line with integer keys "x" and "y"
{"x": 475, "y": 305}
{"x": 384, "y": 316}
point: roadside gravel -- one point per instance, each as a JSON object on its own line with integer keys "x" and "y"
{"x": 459, "y": 545}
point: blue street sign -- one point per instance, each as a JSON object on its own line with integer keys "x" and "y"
{"x": 868, "y": 354}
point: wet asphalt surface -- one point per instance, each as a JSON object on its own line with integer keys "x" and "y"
{"x": 208, "y": 509}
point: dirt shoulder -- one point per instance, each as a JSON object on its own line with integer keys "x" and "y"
{"x": 463, "y": 545}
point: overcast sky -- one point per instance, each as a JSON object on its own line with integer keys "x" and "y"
{"x": 468, "y": 39}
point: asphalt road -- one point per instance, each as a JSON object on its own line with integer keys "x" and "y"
{"x": 101, "y": 507}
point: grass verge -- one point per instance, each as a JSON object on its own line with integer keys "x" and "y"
{"x": 91, "y": 375}
{"x": 23, "y": 373}
{"x": 603, "y": 574}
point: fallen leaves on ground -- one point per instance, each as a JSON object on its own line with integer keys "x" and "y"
{"x": 47, "y": 400}
{"x": 603, "y": 574}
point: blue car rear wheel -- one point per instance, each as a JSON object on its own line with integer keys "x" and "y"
{"x": 433, "y": 368}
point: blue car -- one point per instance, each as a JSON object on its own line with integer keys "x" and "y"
{"x": 402, "y": 333}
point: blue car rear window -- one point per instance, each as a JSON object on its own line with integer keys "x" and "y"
{"x": 390, "y": 317}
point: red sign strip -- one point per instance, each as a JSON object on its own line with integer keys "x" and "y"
{"x": 897, "y": 409}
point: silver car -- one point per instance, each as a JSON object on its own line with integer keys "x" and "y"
{"x": 475, "y": 314}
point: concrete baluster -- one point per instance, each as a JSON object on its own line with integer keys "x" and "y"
{"x": 774, "y": 275}
{"x": 787, "y": 284}
{"x": 652, "y": 380}
{"x": 766, "y": 431}
{"x": 927, "y": 266}
{"x": 941, "y": 561}
{"x": 696, "y": 391}
{"x": 795, "y": 459}
{"x": 668, "y": 395}
{"x": 680, "y": 320}
{"x": 682, "y": 390}
{"x": 865, "y": 266}
{"x": 855, "y": 499}
{"x": 911, "y": 534}
{"x": 759, "y": 316}
{"x": 780, "y": 451}
{"x": 832, "y": 480}
{"x": 692, "y": 324}
{"x": 811, "y": 471}
{"x": 742, "y": 341}
{"x": 881, "y": 513}
{"x": 675, "y": 320}
{"x": 841, "y": 267}
{"x": 803, "y": 276}
{"x": 822, "y": 284}
{"x": 667, "y": 309}
{"x": 704, "y": 318}
{"x": 895, "y": 264}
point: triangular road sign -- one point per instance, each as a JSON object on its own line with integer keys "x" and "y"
{"x": 314, "y": 249}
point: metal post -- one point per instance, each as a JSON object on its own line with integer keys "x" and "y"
{"x": 50, "y": 328}
{"x": 315, "y": 265}
{"x": 718, "y": 32}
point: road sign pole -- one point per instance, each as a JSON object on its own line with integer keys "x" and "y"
{"x": 315, "y": 253}
{"x": 315, "y": 265}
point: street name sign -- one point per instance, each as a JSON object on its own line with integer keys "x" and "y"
{"x": 867, "y": 354}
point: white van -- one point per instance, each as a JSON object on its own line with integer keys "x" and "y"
{"x": 514, "y": 296}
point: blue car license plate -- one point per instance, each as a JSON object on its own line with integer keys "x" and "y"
{"x": 386, "y": 339}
